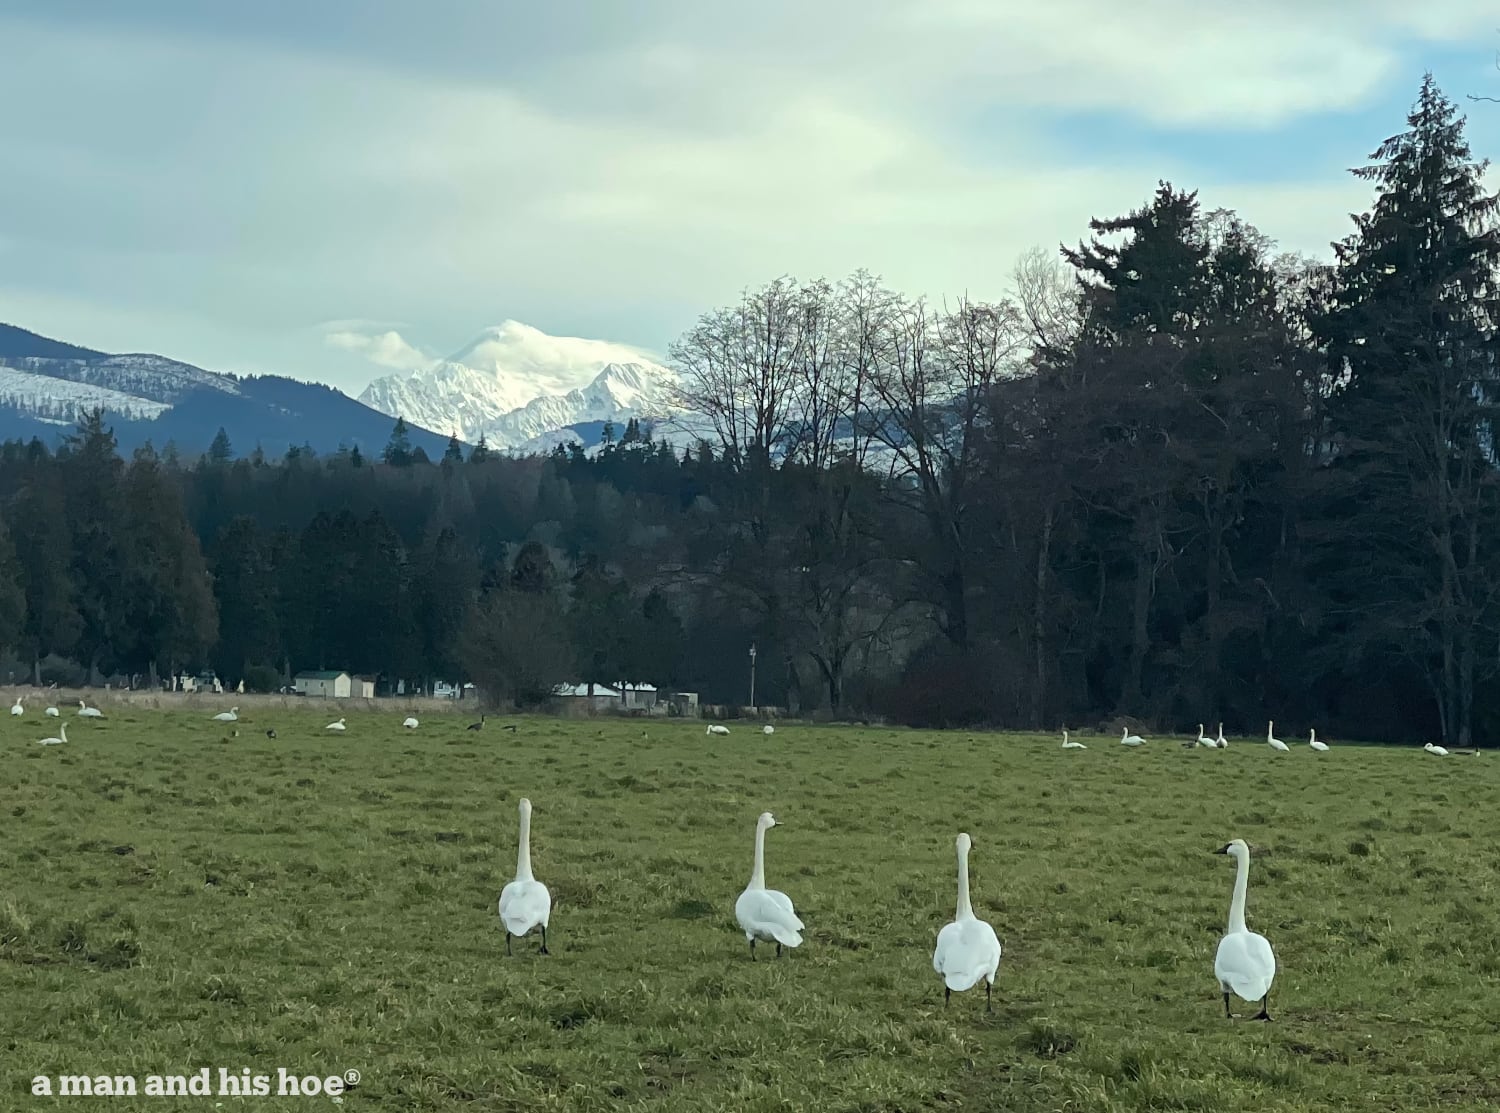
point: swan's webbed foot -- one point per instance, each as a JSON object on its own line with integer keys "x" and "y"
{"x": 1264, "y": 1014}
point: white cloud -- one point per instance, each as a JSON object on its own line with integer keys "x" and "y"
{"x": 616, "y": 181}
{"x": 385, "y": 349}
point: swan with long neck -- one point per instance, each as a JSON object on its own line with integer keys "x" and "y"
{"x": 1128, "y": 739}
{"x": 16, "y": 708}
{"x": 62, "y": 729}
{"x": 1223, "y": 743}
{"x": 1312, "y": 740}
{"x": 763, "y": 913}
{"x": 1274, "y": 742}
{"x": 1203, "y": 739}
{"x": 1072, "y": 745}
{"x": 1245, "y": 964}
{"x": 525, "y": 903}
{"x": 968, "y": 951}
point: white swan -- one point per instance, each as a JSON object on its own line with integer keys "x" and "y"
{"x": 62, "y": 730}
{"x": 1203, "y": 740}
{"x": 410, "y": 722}
{"x": 89, "y": 712}
{"x": 716, "y": 728}
{"x": 1275, "y": 743}
{"x": 1222, "y": 742}
{"x": 768, "y": 729}
{"x": 967, "y": 949}
{"x": 17, "y": 709}
{"x": 1072, "y": 745}
{"x": 1128, "y": 739}
{"x": 1439, "y": 750}
{"x": 1312, "y": 740}
{"x": 53, "y": 712}
{"x": 766, "y": 913}
{"x": 1244, "y": 964}
{"x": 525, "y": 902}
{"x": 230, "y": 716}
{"x": 335, "y": 726}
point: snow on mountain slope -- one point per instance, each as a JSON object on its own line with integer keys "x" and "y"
{"x": 152, "y": 378}
{"x": 515, "y": 382}
{"x": 63, "y": 401}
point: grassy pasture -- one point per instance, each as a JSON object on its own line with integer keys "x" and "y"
{"x": 175, "y": 898}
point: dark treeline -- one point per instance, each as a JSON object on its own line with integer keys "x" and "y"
{"x": 1174, "y": 476}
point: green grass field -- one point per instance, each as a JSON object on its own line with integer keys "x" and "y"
{"x": 175, "y": 899}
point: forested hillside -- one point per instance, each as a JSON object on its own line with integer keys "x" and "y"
{"x": 1174, "y": 476}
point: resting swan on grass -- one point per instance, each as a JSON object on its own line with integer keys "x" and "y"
{"x": 525, "y": 903}
{"x": 766, "y": 913}
{"x": 1274, "y": 742}
{"x": 1312, "y": 740}
{"x": 1128, "y": 739}
{"x": 335, "y": 726}
{"x": 968, "y": 951}
{"x": 16, "y": 708}
{"x": 1072, "y": 745}
{"x": 1244, "y": 964}
{"x": 1439, "y": 750}
{"x": 62, "y": 730}
{"x": 89, "y": 712}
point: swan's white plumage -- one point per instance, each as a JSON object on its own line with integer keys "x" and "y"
{"x": 1203, "y": 740}
{"x": 968, "y": 950}
{"x": 768, "y": 729}
{"x": 1221, "y": 741}
{"x": 1441, "y": 751}
{"x": 1244, "y": 963}
{"x": 62, "y": 730}
{"x": 410, "y": 723}
{"x": 1274, "y": 742}
{"x": 1072, "y": 745}
{"x": 89, "y": 712}
{"x": 335, "y": 726}
{"x": 1128, "y": 739}
{"x": 16, "y": 708}
{"x": 716, "y": 728}
{"x": 1312, "y": 740}
{"x": 53, "y": 712}
{"x": 763, "y": 913}
{"x": 525, "y": 902}
{"x": 230, "y": 716}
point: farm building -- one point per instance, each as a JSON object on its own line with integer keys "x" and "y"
{"x": 637, "y": 696}
{"x": 335, "y": 685}
{"x": 362, "y": 687}
{"x": 595, "y": 697}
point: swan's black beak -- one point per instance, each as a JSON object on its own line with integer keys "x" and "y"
{"x": 1223, "y": 849}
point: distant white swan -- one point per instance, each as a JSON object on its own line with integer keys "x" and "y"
{"x": 768, "y": 729}
{"x": 1439, "y": 750}
{"x": 1204, "y": 740}
{"x": 89, "y": 712}
{"x": 525, "y": 903}
{"x": 716, "y": 728}
{"x": 1275, "y": 743}
{"x": 1128, "y": 739}
{"x": 1312, "y": 740}
{"x": 1223, "y": 743}
{"x": 62, "y": 730}
{"x": 968, "y": 950}
{"x": 230, "y": 716}
{"x": 1072, "y": 745}
{"x": 335, "y": 726}
{"x": 410, "y": 723}
{"x": 1244, "y": 964}
{"x": 766, "y": 913}
{"x": 17, "y": 709}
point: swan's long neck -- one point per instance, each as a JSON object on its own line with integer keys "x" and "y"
{"x": 523, "y": 855}
{"x": 965, "y": 909}
{"x": 758, "y": 874}
{"x": 1237, "y": 905}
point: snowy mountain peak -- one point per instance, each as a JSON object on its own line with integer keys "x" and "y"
{"x": 514, "y": 382}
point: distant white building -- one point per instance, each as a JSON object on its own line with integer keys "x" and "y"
{"x": 362, "y": 687}
{"x": 596, "y": 697}
{"x": 637, "y": 696}
{"x": 329, "y": 685}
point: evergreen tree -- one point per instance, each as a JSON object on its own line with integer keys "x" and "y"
{"x": 247, "y": 592}
{"x": 12, "y": 595}
{"x": 1411, "y": 337}
{"x": 481, "y": 451}
{"x": 220, "y": 452}
{"x": 398, "y": 450}
{"x": 453, "y": 455}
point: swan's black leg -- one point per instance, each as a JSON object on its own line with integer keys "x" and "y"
{"x": 544, "y": 940}
{"x": 752, "y": 948}
{"x": 1227, "y": 1014}
{"x": 947, "y": 993}
{"x": 778, "y": 950}
{"x": 1265, "y": 1002}
{"x": 507, "y": 943}
{"x": 987, "y": 987}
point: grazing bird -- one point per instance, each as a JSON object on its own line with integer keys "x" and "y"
{"x": 1072, "y": 745}
{"x": 335, "y": 726}
{"x": 766, "y": 913}
{"x": 475, "y": 726}
{"x": 52, "y": 712}
{"x": 89, "y": 712}
{"x": 271, "y": 732}
{"x": 1439, "y": 750}
{"x": 1128, "y": 739}
{"x": 525, "y": 902}
{"x": 768, "y": 729}
{"x": 230, "y": 716}
{"x": 510, "y": 727}
{"x": 17, "y": 709}
{"x": 1275, "y": 743}
{"x": 62, "y": 730}
{"x": 967, "y": 949}
{"x": 716, "y": 728}
{"x": 410, "y": 723}
{"x": 1223, "y": 743}
{"x": 1312, "y": 740}
{"x": 1244, "y": 963}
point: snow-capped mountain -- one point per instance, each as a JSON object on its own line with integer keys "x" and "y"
{"x": 46, "y": 386}
{"x": 515, "y": 384}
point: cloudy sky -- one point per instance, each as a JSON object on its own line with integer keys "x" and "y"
{"x": 333, "y": 188}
